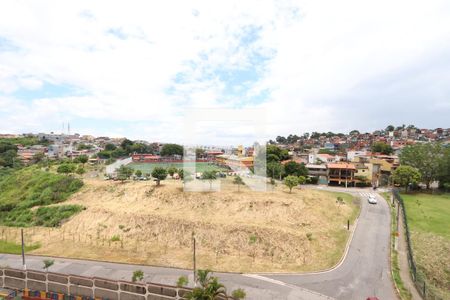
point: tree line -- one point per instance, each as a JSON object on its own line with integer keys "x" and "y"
{"x": 423, "y": 163}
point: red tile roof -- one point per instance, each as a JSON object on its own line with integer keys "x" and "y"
{"x": 341, "y": 166}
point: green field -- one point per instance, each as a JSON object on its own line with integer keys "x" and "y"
{"x": 13, "y": 248}
{"x": 200, "y": 166}
{"x": 429, "y": 223}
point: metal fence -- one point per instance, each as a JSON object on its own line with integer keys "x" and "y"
{"x": 425, "y": 289}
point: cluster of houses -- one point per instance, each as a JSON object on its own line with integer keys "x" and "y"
{"x": 341, "y": 159}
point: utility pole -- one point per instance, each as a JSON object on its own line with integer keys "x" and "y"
{"x": 194, "y": 258}
{"x": 23, "y": 250}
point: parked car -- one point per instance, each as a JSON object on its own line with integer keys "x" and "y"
{"x": 372, "y": 199}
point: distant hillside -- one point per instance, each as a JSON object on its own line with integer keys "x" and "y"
{"x": 27, "y": 188}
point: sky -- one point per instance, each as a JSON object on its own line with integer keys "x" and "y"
{"x": 143, "y": 69}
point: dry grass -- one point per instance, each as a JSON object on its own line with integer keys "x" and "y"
{"x": 246, "y": 231}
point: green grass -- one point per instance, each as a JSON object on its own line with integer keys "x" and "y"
{"x": 30, "y": 187}
{"x": 13, "y": 248}
{"x": 349, "y": 200}
{"x": 429, "y": 223}
{"x": 200, "y": 166}
{"x": 428, "y": 213}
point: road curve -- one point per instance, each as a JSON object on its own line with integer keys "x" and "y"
{"x": 364, "y": 272}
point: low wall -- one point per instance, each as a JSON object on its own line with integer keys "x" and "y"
{"x": 89, "y": 287}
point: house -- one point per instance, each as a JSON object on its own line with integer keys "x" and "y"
{"x": 319, "y": 171}
{"x": 341, "y": 173}
{"x": 234, "y": 161}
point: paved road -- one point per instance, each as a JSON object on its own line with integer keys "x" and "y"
{"x": 366, "y": 269}
{"x": 364, "y": 272}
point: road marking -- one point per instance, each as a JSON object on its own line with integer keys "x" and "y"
{"x": 292, "y": 286}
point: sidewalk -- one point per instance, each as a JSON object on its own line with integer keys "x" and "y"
{"x": 403, "y": 261}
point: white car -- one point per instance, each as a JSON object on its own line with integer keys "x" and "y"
{"x": 372, "y": 199}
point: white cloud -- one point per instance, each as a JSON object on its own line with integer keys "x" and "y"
{"x": 326, "y": 57}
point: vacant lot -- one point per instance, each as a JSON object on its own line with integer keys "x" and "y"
{"x": 235, "y": 231}
{"x": 200, "y": 166}
{"x": 429, "y": 221}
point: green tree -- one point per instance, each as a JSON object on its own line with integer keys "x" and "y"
{"x": 124, "y": 172}
{"x": 210, "y": 176}
{"x": 138, "y": 173}
{"x": 38, "y": 157}
{"x": 208, "y": 287}
{"x": 274, "y": 169}
{"x": 295, "y": 169}
{"x": 354, "y": 132}
{"x": 138, "y": 275}
{"x": 110, "y": 147}
{"x": 48, "y": 263}
{"x": 159, "y": 174}
{"x": 291, "y": 181}
{"x": 238, "y": 180}
{"x": 199, "y": 152}
{"x": 406, "y": 175}
{"x": 301, "y": 179}
{"x": 171, "y": 170}
{"x": 83, "y": 159}
{"x": 426, "y": 157}
{"x": 444, "y": 171}
{"x": 390, "y": 128}
{"x": 382, "y": 148}
{"x": 171, "y": 150}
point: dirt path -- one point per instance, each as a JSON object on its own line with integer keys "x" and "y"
{"x": 403, "y": 262}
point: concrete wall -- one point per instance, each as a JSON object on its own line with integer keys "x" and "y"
{"x": 87, "y": 286}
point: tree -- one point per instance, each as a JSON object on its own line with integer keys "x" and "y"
{"x": 301, "y": 179}
{"x": 171, "y": 150}
{"x": 291, "y": 181}
{"x": 208, "y": 288}
{"x": 48, "y": 263}
{"x": 295, "y": 169}
{"x": 110, "y": 147}
{"x": 238, "y": 294}
{"x": 390, "y": 128}
{"x": 138, "y": 275}
{"x": 354, "y": 132}
{"x": 138, "y": 173}
{"x": 124, "y": 172}
{"x": 382, "y": 148}
{"x": 238, "y": 180}
{"x": 444, "y": 171}
{"x": 426, "y": 157}
{"x": 210, "y": 176}
{"x": 171, "y": 170}
{"x": 275, "y": 169}
{"x": 126, "y": 143}
{"x": 159, "y": 174}
{"x": 83, "y": 159}
{"x": 66, "y": 168}
{"x": 199, "y": 153}
{"x": 406, "y": 175}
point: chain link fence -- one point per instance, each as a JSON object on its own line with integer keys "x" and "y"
{"x": 425, "y": 289}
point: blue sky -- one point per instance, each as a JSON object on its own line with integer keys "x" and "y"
{"x": 137, "y": 70}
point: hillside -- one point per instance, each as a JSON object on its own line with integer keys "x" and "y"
{"x": 236, "y": 231}
{"x": 25, "y": 196}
